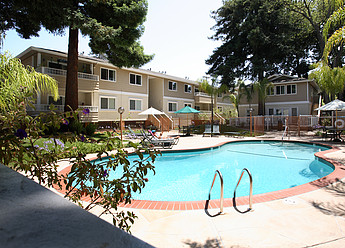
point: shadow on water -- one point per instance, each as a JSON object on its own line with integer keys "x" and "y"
{"x": 336, "y": 188}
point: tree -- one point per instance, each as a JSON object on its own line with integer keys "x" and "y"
{"x": 114, "y": 27}
{"x": 328, "y": 72}
{"x": 247, "y": 90}
{"x": 261, "y": 87}
{"x": 316, "y": 13}
{"x": 259, "y": 37}
{"x": 17, "y": 81}
{"x": 212, "y": 90}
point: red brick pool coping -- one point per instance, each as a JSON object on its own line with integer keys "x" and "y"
{"x": 336, "y": 175}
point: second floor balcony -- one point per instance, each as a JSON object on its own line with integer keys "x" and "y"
{"x": 59, "y": 72}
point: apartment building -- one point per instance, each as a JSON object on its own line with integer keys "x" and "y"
{"x": 103, "y": 87}
{"x": 291, "y": 96}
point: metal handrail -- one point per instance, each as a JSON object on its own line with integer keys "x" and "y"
{"x": 221, "y": 189}
{"x": 250, "y": 190}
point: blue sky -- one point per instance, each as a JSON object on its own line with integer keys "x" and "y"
{"x": 175, "y": 31}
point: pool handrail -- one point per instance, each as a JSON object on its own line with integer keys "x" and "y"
{"x": 250, "y": 190}
{"x": 221, "y": 189}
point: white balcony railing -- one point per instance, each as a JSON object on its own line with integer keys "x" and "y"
{"x": 59, "y": 72}
{"x": 60, "y": 108}
{"x": 201, "y": 94}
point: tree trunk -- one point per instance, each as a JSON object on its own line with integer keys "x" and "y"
{"x": 71, "y": 94}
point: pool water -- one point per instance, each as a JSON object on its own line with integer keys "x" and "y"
{"x": 187, "y": 176}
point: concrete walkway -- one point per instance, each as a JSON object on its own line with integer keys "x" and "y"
{"x": 314, "y": 219}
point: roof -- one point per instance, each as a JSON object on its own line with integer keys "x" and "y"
{"x": 91, "y": 59}
{"x": 287, "y": 79}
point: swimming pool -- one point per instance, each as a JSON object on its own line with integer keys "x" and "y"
{"x": 187, "y": 176}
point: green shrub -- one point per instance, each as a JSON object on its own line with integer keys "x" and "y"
{"x": 90, "y": 129}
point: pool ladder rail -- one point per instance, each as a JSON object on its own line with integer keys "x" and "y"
{"x": 250, "y": 208}
{"x": 221, "y": 190}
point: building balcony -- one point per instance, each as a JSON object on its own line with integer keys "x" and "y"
{"x": 201, "y": 94}
{"x": 60, "y": 108}
{"x": 59, "y": 72}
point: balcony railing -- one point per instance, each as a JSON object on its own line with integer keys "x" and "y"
{"x": 201, "y": 94}
{"x": 60, "y": 108}
{"x": 59, "y": 72}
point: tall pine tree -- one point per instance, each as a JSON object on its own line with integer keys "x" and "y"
{"x": 114, "y": 27}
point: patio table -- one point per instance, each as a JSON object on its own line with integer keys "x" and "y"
{"x": 335, "y": 134}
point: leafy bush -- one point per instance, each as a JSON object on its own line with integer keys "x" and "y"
{"x": 90, "y": 129}
{"x": 23, "y": 148}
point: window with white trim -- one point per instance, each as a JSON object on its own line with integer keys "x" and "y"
{"x": 135, "y": 79}
{"x": 172, "y": 86}
{"x": 187, "y": 88}
{"x": 108, "y": 103}
{"x": 172, "y": 106}
{"x": 291, "y": 89}
{"x": 188, "y": 104}
{"x": 280, "y": 89}
{"x": 109, "y": 75}
{"x": 135, "y": 105}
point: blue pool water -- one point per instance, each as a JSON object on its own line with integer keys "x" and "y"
{"x": 187, "y": 176}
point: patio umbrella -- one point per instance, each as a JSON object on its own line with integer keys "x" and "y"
{"x": 151, "y": 111}
{"x": 187, "y": 110}
{"x": 334, "y": 105}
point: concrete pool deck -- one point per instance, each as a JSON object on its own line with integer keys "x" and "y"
{"x": 313, "y": 219}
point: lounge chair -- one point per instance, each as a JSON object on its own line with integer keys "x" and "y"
{"x": 176, "y": 139}
{"x": 152, "y": 140}
{"x": 208, "y": 130}
{"x": 132, "y": 134}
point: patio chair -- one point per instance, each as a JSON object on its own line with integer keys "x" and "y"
{"x": 153, "y": 135}
{"x": 208, "y": 130}
{"x": 132, "y": 134}
{"x": 152, "y": 140}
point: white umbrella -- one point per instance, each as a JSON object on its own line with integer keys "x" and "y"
{"x": 151, "y": 111}
{"x": 333, "y": 105}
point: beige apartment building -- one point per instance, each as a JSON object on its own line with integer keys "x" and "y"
{"x": 289, "y": 96}
{"x": 103, "y": 88}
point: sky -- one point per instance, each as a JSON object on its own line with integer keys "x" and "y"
{"x": 177, "y": 32}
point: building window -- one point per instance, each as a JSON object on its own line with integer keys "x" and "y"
{"x": 172, "y": 106}
{"x": 270, "y": 111}
{"x": 280, "y": 90}
{"x": 134, "y": 105}
{"x": 109, "y": 75}
{"x": 270, "y": 91}
{"x": 188, "y": 104}
{"x": 135, "y": 79}
{"x": 107, "y": 103}
{"x": 294, "y": 111}
{"x": 291, "y": 89}
{"x": 219, "y": 94}
{"x": 172, "y": 86}
{"x": 59, "y": 101}
{"x": 187, "y": 88}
